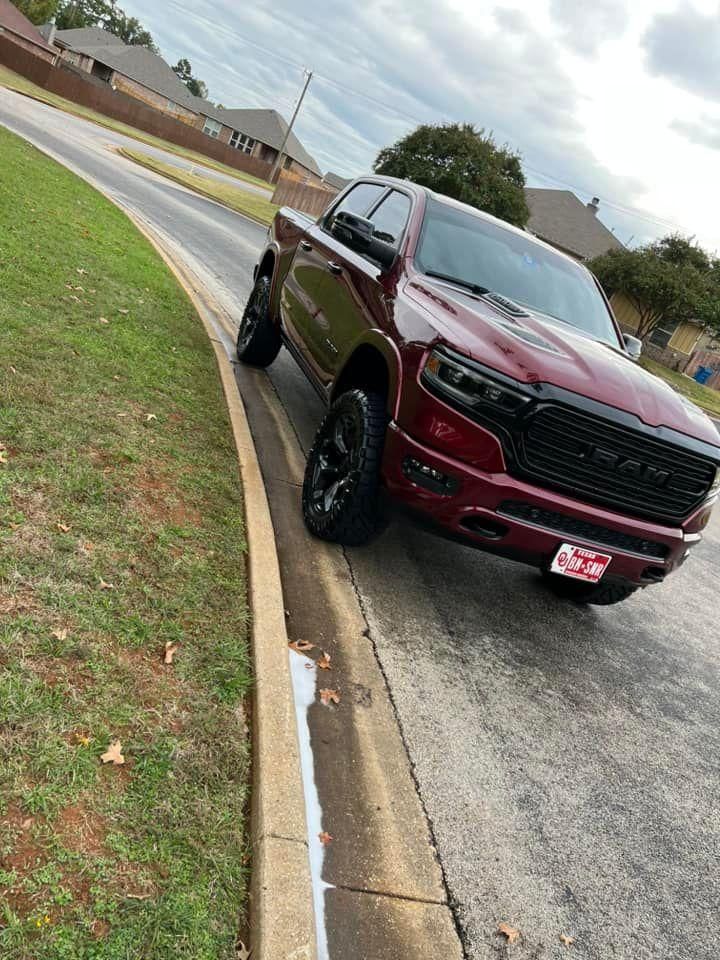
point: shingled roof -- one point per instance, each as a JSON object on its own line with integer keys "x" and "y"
{"x": 268, "y": 127}
{"x": 560, "y": 218}
{"x": 87, "y": 37}
{"x": 15, "y": 22}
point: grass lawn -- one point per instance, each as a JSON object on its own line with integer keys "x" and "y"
{"x": 704, "y": 397}
{"x": 16, "y": 82}
{"x": 250, "y": 204}
{"x": 120, "y": 531}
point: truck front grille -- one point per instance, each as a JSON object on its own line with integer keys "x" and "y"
{"x": 610, "y": 464}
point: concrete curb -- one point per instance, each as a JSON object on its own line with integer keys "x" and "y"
{"x": 194, "y": 189}
{"x": 281, "y": 904}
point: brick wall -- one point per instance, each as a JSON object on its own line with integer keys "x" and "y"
{"x": 139, "y": 92}
{"x": 84, "y": 90}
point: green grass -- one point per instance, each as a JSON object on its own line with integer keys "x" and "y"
{"x": 22, "y": 85}
{"x": 704, "y": 397}
{"x": 120, "y": 467}
{"x": 249, "y": 204}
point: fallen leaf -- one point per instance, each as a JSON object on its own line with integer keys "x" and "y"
{"x": 3, "y": 456}
{"x": 81, "y": 270}
{"x": 116, "y": 377}
{"x": 301, "y": 646}
{"x": 106, "y": 586}
{"x": 113, "y": 754}
{"x": 60, "y": 634}
{"x": 87, "y": 547}
{"x": 325, "y": 838}
{"x": 149, "y": 417}
{"x": 324, "y": 661}
{"x": 122, "y": 310}
{"x": 62, "y": 527}
{"x": 104, "y": 320}
{"x": 242, "y": 951}
{"x": 26, "y": 824}
{"x": 567, "y": 941}
{"x": 170, "y": 651}
{"x": 12, "y": 369}
{"x": 82, "y": 739}
{"x": 510, "y": 932}
{"x": 327, "y": 695}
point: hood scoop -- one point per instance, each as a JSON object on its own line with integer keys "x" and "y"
{"x": 506, "y": 305}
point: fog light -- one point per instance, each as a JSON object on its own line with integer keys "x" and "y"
{"x": 430, "y": 478}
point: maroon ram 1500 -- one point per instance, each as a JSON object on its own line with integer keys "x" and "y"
{"x": 478, "y": 376}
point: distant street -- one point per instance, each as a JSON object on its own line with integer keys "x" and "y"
{"x": 566, "y": 757}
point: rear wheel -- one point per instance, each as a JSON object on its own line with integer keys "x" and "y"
{"x": 341, "y": 491}
{"x": 258, "y": 339}
{"x": 602, "y": 594}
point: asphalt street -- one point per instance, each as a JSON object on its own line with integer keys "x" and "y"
{"x": 567, "y": 758}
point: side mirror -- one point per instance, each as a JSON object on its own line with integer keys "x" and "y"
{"x": 358, "y": 234}
{"x": 633, "y": 346}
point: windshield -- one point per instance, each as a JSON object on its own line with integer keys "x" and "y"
{"x": 457, "y": 243}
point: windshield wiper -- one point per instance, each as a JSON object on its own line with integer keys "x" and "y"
{"x": 468, "y": 284}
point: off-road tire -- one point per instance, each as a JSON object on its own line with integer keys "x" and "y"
{"x": 352, "y": 515}
{"x": 258, "y": 341}
{"x": 601, "y": 594}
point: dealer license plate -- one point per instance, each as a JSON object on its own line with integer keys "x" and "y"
{"x": 580, "y": 563}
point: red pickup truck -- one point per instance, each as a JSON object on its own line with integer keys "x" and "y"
{"x": 479, "y": 377}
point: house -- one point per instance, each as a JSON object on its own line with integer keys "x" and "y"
{"x": 144, "y": 75}
{"x": 565, "y": 222}
{"x": 15, "y": 27}
{"x": 672, "y": 342}
{"x": 133, "y": 70}
{"x": 260, "y": 133}
{"x": 335, "y": 182}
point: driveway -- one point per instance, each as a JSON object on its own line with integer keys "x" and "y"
{"x": 567, "y": 758}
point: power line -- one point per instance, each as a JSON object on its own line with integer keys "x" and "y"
{"x": 614, "y": 205}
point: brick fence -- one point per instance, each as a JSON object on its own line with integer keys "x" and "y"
{"x": 74, "y": 86}
{"x": 290, "y": 192}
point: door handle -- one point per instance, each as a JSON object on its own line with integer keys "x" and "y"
{"x": 334, "y": 267}
{"x": 304, "y": 245}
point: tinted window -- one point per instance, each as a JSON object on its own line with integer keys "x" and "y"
{"x": 358, "y": 201}
{"x": 459, "y": 244}
{"x": 390, "y": 218}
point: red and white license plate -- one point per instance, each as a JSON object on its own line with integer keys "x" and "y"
{"x": 580, "y": 563}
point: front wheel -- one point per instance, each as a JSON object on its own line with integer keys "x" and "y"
{"x": 601, "y": 594}
{"x": 258, "y": 341}
{"x": 341, "y": 490}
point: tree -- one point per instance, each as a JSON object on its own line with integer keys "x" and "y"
{"x": 107, "y": 15}
{"x": 37, "y": 11}
{"x": 183, "y": 69}
{"x": 669, "y": 280}
{"x": 461, "y": 162}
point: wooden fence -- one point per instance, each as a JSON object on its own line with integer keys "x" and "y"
{"x": 705, "y": 358}
{"x": 290, "y": 192}
{"x": 74, "y": 86}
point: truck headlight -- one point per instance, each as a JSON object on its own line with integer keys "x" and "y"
{"x": 469, "y": 386}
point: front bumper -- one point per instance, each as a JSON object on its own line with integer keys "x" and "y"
{"x": 475, "y": 508}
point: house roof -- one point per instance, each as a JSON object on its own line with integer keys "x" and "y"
{"x": 87, "y": 37}
{"x": 563, "y": 220}
{"x": 335, "y": 180}
{"x": 15, "y": 22}
{"x": 268, "y": 127}
{"x": 141, "y": 65}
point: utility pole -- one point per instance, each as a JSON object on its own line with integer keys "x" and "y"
{"x": 278, "y": 161}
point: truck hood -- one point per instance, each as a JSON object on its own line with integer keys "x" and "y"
{"x": 535, "y": 349}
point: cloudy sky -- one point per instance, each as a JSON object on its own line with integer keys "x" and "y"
{"x": 611, "y": 98}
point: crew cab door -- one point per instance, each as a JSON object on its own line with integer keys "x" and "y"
{"x": 349, "y": 297}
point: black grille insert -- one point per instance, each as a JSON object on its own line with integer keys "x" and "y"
{"x": 582, "y": 529}
{"x": 612, "y": 464}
